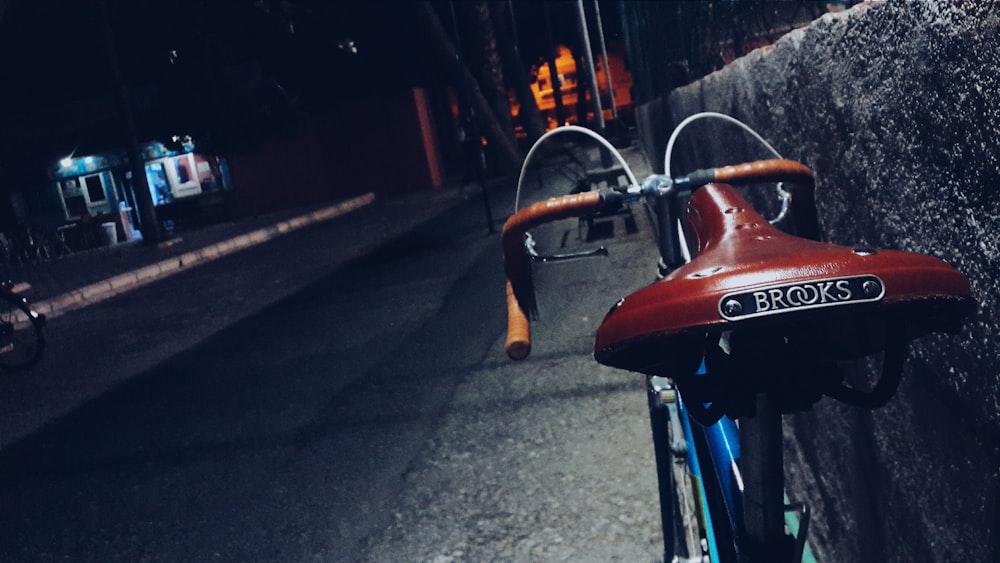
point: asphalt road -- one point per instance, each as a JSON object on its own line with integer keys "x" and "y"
{"x": 369, "y": 414}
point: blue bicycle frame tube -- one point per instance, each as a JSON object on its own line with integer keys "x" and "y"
{"x": 695, "y": 468}
{"x": 723, "y": 443}
{"x": 724, "y": 446}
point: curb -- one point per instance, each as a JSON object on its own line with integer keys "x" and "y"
{"x": 123, "y": 283}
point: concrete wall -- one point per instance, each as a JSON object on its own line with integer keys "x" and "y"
{"x": 896, "y": 107}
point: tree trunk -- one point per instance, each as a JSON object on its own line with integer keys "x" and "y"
{"x": 443, "y": 50}
{"x": 483, "y": 57}
{"x": 149, "y": 225}
{"x": 528, "y": 115}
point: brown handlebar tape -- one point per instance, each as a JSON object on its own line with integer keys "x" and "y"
{"x": 802, "y": 203}
{"x": 517, "y": 263}
{"x": 518, "y": 344}
{"x": 779, "y": 170}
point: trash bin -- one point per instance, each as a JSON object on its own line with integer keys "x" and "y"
{"x": 110, "y": 233}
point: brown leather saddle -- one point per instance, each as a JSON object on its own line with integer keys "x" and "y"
{"x": 835, "y": 302}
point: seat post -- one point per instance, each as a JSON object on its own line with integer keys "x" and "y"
{"x": 762, "y": 469}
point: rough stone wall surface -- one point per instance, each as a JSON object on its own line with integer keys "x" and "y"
{"x": 896, "y": 107}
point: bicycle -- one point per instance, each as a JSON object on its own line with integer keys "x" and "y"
{"x": 22, "y": 340}
{"x": 726, "y": 333}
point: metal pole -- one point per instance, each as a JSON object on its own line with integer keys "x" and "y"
{"x": 551, "y": 56}
{"x": 472, "y": 135}
{"x": 604, "y": 59}
{"x": 513, "y": 27}
{"x": 588, "y": 59}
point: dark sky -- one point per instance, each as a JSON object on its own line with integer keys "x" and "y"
{"x": 199, "y": 52}
{"x": 195, "y": 53}
{"x": 47, "y": 47}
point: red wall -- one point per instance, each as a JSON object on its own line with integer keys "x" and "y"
{"x": 385, "y": 145}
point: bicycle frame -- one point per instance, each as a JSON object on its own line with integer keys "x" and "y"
{"x": 712, "y": 452}
{"x": 720, "y": 475}
{"x": 21, "y": 338}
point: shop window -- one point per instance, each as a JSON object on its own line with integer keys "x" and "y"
{"x": 95, "y": 188}
{"x": 183, "y": 174}
{"x": 76, "y": 205}
{"x": 86, "y": 195}
{"x": 172, "y": 177}
{"x": 183, "y": 178}
{"x": 159, "y": 185}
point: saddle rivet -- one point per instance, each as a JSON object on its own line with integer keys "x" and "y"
{"x": 707, "y": 272}
{"x": 871, "y": 288}
{"x": 732, "y": 308}
{"x": 864, "y": 251}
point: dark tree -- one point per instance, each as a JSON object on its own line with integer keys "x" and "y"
{"x": 529, "y": 116}
{"x": 444, "y": 54}
{"x": 483, "y": 58}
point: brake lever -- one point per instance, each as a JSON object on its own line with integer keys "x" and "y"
{"x": 599, "y": 251}
{"x": 529, "y": 244}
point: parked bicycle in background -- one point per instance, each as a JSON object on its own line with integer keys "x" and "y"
{"x": 22, "y": 340}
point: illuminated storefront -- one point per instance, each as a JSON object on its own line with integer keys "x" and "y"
{"x": 97, "y": 189}
{"x": 543, "y": 87}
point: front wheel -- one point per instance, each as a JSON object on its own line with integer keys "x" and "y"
{"x": 21, "y": 339}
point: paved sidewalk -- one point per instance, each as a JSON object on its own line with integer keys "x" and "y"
{"x": 85, "y": 278}
{"x": 89, "y": 277}
{"x": 108, "y": 323}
